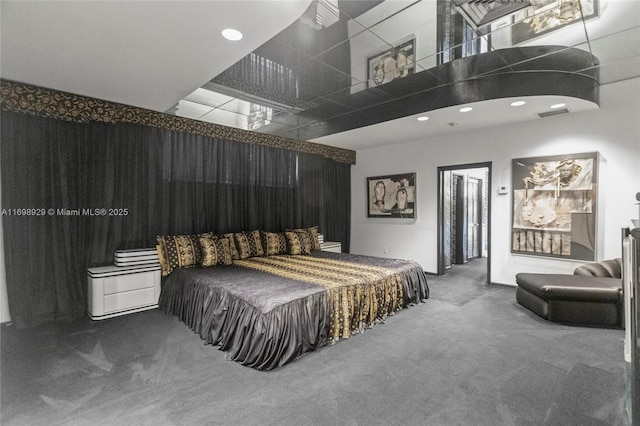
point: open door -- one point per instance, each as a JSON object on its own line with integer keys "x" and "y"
{"x": 463, "y": 215}
{"x": 475, "y": 222}
{"x": 460, "y": 219}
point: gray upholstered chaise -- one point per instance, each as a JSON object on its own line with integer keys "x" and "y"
{"x": 593, "y": 295}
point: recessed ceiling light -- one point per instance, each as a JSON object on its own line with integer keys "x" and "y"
{"x": 518, "y": 103}
{"x": 556, "y": 106}
{"x": 465, "y": 109}
{"x": 231, "y": 34}
{"x": 423, "y": 118}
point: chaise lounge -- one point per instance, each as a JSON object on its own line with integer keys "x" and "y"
{"x": 591, "y": 296}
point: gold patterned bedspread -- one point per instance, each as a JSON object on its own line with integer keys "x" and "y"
{"x": 359, "y": 294}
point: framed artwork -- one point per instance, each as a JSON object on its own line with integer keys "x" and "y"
{"x": 390, "y": 64}
{"x": 392, "y": 196}
{"x": 554, "y": 206}
{"x": 549, "y": 15}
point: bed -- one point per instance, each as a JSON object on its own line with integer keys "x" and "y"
{"x": 266, "y": 311}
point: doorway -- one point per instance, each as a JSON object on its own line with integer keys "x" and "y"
{"x": 464, "y": 217}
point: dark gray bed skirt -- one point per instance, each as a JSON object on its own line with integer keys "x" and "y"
{"x": 263, "y": 337}
{"x": 414, "y": 283}
{"x": 263, "y": 341}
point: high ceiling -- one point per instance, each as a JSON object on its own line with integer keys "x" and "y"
{"x": 170, "y": 57}
{"x": 148, "y": 54}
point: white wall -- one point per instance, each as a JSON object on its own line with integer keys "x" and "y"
{"x": 613, "y": 130}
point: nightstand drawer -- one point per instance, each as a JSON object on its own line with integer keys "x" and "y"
{"x": 128, "y": 300}
{"x": 114, "y": 290}
{"x": 131, "y": 282}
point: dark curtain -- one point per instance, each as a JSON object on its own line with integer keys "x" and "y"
{"x": 326, "y": 202}
{"x": 100, "y": 187}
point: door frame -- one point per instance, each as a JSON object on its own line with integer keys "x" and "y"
{"x": 479, "y": 198}
{"x": 441, "y": 170}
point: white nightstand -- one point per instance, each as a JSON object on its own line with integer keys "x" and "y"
{"x": 333, "y": 246}
{"x": 117, "y": 290}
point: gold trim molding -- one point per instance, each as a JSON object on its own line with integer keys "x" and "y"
{"x": 24, "y": 98}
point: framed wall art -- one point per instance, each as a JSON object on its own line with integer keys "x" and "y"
{"x": 392, "y": 196}
{"x": 554, "y": 206}
{"x": 550, "y": 15}
{"x": 390, "y": 64}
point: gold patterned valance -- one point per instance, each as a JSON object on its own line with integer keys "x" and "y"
{"x": 44, "y": 102}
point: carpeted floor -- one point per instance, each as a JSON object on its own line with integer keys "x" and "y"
{"x": 470, "y": 355}
{"x": 463, "y": 283}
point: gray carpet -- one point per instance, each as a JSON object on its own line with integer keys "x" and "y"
{"x": 480, "y": 359}
{"x": 464, "y": 283}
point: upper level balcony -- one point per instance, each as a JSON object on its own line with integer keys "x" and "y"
{"x": 345, "y": 65}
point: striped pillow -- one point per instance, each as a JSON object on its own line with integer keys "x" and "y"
{"x": 232, "y": 244}
{"x": 215, "y": 250}
{"x": 298, "y": 242}
{"x": 274, "y": 243}
{"x": 312, "y": 233}
{"x": 178, "y": 251}
{"x": 249, "y": 244}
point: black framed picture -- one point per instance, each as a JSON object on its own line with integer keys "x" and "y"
{"x": 392, "y": 196}
{"x": 550, "y": 15}
{"x": 392, "y": 63}
{"x": 554, "y": 206}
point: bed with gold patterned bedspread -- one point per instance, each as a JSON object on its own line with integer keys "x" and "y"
{"x": 267, "y": 311}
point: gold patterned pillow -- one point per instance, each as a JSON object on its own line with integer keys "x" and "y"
{"x": 178, "y": 251}
{"x": 274, "y": 243}
{"x": 215, "y": 250}
{"x": 164, "y": 266}
{"x": 298, "y": 242}
{"x": 232, "y": 244}
{"x": 312, "y": 233}
{"x": 313, "y": 236}
{"x": 249, "y": 244}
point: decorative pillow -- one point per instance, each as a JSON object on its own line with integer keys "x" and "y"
{"x": 164, "y": 266}
{"x": 249, "y": 244}
{"x": 313, "y": 236}
{"x": 215, "y": 250}
{"x": 178, "y": 251}
{"x": 312, "y": 233}
{"x": 232, "y": 244}
{"x": 298, "y": 242}
{"x": 274, "y": 243}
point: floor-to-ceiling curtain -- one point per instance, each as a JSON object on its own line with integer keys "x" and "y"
{"x": 96, "y": 187}
{"x": 326, "y": 202}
